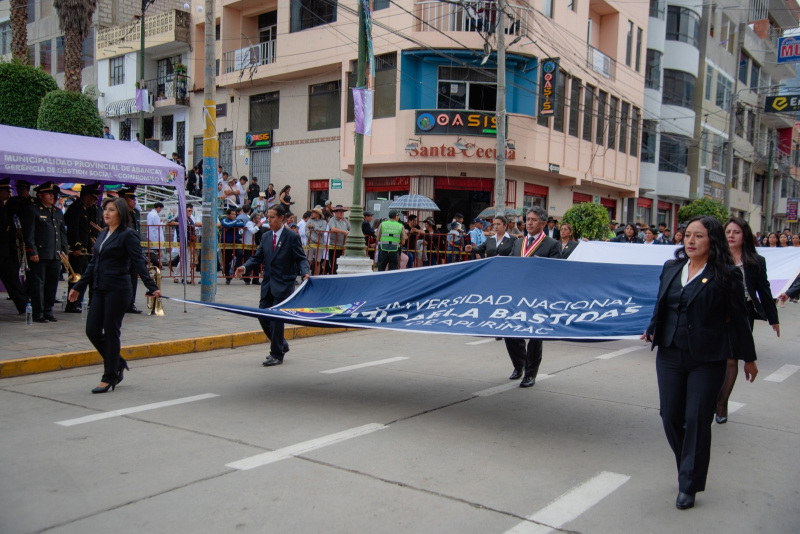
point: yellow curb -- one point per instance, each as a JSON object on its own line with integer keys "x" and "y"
{"x": 69, "y": 360}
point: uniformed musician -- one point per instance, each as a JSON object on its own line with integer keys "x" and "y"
{"x": 80, "y": 234}
{"x": 129, "y": 195}
{"x": 45, "y": 239}
{"x": 9, "y": 255}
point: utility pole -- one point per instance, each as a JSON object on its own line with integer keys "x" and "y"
{"x": 500, "y": 166}
{"x": 208, "y": 260}
{"x": 141, "y": 70}
{"x": 768, "y": 200}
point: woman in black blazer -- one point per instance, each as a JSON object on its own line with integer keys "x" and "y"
{"x": 758, "y": 297}
{"x": 117, "y": 250}
{"x": 698, "y": 322}
{"x": 500, "y": 244}
{"x": 628, "y": 236}
{"x": 567, "y": 242}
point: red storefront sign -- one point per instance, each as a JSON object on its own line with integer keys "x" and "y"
{"x": 666, "y": 206}
{"x": 533, "y": 190}
{"x": 579, "y": 198}
{"x": 318, "y": 185}
{"x": 644, "y": 202}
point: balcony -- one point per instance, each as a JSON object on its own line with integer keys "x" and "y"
{"x": 477, "y": 16}
{"x": 169, "y": 91}
{"x": 166, "y": 32}
{"x": 249, "y": 57}
{"x": 600, "y": 63}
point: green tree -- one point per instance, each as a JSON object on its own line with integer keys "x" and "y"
{"x": 22, "y": 88}
{"x": 703, "y": 206}
{"x": 588, "y": 220}
{"x": 69, "y": 112}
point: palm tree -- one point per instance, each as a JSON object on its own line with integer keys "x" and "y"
{"x": 19, "y": 30}
{"x": 75, "y": 20}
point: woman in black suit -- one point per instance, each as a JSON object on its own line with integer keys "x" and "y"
{"x": 758, "y": 297}
{"x": 117, "y": 250}
{"x": 628, "y": 236}
{"x": 698, "y": 322}
{"x": 500, "y": 244}
{"x": 567, "y": 243}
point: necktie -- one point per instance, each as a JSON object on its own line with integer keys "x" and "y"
{"x": 274, "y": 241}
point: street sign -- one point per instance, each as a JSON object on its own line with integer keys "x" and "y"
{"x": 789, "y": 49}
{"x": 336, "y": 183}
{"x": 776, "y": 104}
{"x": 554, "y": 168}
{"x": 246, "y": 162}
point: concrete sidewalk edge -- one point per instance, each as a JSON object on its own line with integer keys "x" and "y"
{"x": 69, "y": 360}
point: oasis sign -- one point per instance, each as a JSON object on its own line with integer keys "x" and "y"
{"x": 547, "y": 96}
{"x": 450, "y": 152}
{"x": 455, "y": 122}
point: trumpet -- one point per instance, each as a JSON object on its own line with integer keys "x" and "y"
{"x": 73, "y": 276}
{"x": 97, "y": 227}
{"x": 154, "y": 304}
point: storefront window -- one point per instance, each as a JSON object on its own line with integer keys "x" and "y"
{"x": 463, "y": 88}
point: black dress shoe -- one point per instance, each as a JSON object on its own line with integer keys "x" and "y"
{"x": 40, "y": 320}
{"x": 72, "y": 309}
{"x": 720, "y": 420}
{"x": 528, "y": 382}
{"x": 684, "y": 501}
{"x": 50, "y": 317}
{"x": 99, "y": 389}
{"x": 516, "y": 375}
{"x": 272, "y": 361}
{"x": 133, "y": 309}
{"x": 285, "y": 347}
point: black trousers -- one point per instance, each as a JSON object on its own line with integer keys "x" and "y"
{"x": 9, "y": 275}
{"x": 103, "y": 327}
{"x": 42, "y": 285}
{"x": 687, "y": 393}
{"x": 272, "y": 328}
{"x": 134, "y": 285}
{"x": 525, "y": 359}
{"x": 392, "y": 259}
{"x": 78, "y": 264}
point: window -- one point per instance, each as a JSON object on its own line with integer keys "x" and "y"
{"x": 45, "y": 56}
{"x": 547, "y": 8}
{"x": 561, "y": 90}
{"x": 746, "y": 168}
{"x": 657, "y": 9}
{"x": 5, "y": 38}
{"x": 709, "y": 82}
{"x": 265, "y": 112}
{"x": 682, "y": 25}
{"x": 635, "y": 132}
{"x": 755, "y": 75}
{"x": 574, "y": 107}
{"x": 60, "y": 45}
{"x": 674, "y": 156}
{"x": 465, "y": 88}
{"x": 638, "y": 64}
{"x": 600, "y": 132}
{"x": 166, "y": 128}
{"x": 307, "y": 14}
{"x": 735, "y": 177}
{"x": 613, "y": 104}
{"x": 718, "y": 154}
{"x": 116, "y": 70}
{"x": 124, "y": 133}
{"x": 268, "y": 27}
{"x": 385, "y": 97}
{"x": 678, "y": 88}
{"x": 588, "y": 112}
{"x": 87, "y": 50}
{"x": 217, "y": 32}
{"x": 629, "y": 45}
{"x": 652, "y": 69}
{"x": 47, "y": 8}
{"x": 743, "y": 62}
{"x": 724, "y": 90}
{"x": 572, "y": 4}
{"x": 623, "y": 127}
{"x": 31, "y": 11}
{"x": 648, "y": 142}
{"x": 324, "y": 105}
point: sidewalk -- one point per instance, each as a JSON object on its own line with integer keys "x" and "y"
{"x": 47, "y": 347}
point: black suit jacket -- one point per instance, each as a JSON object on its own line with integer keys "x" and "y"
{"x": 555, "y": 233}
{"x": 491, "y": 247}
{"x": 44, "y": 231}
{"x": 280, "y": 265}
{"x": 760, "y": 292}
{"x": 548, "y": 249}
{"x": 718, "y": 326}
{"x": 111, "y": 267}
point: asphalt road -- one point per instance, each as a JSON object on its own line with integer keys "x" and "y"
{"x": 425, "y": 442}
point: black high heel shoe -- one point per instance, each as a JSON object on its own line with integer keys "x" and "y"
{"x": 99, "y": 389}
{"x": 122, "y": 370}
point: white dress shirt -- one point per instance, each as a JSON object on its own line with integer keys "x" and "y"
{"x": 301, "y": 229}
{"x": 155, "y": 230}
{"x": 685, "y": 274}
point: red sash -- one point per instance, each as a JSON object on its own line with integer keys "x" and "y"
{"x": 529, "y": 245}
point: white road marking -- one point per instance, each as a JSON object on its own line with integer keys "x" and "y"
{"x": 620, "y": 352}
{"x": 507, "y": 387}
{"x": 362, "y": 365}
{"x": 783, "y": 373}
{"x": 481, "y": 341}
{"x": 302, "y": 448}
{"x": 572, "y": 504}
{"x": 135, "y": 409}
{"x": 732, "y": 407}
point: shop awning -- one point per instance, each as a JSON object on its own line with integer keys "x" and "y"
{"x": 122, "y": 108}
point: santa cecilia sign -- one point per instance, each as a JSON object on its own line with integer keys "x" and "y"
{"x": 450, "y": 151}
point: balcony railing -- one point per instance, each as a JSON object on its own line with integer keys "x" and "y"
{"x": 473, "y": 16}
{"x": 601, "y": 63}
{"x": 171, "y": 86}
{"x": 250, "y": 56}
{"x": 162, "y": 28}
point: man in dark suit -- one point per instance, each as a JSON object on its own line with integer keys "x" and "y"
{"x": 551, "y": 230}
{"x": 78, "y": 218}
{"x": 534, "y": 243}
{"x": 9, "y": 255}
{"x": 129, "y": 195}
{"x": 281, "y": 254}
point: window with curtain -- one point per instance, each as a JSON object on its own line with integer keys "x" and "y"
{"x": 265, "y": 112}
{"x": 116, "y": 70}
{"x": 324, "y": 105}
{"x": 588, "y": 112}
{"x": 678, "y": 88}
{"x": 629, "y": 45}
{"x": 724, "y": 92}
{"x": 574, "y": 107}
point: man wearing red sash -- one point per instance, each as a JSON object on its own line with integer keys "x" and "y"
{"x": 535, "y": 243}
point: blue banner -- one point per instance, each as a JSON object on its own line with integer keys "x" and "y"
{"x": 498, "y": 297}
